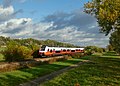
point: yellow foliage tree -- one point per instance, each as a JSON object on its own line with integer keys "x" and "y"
{"x": 107, "y": 13}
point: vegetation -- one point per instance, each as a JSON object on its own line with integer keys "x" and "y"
{"x": 4, "y": 40}
{"x": 29, "y": 42}
{"x": 100, "y": 71}
{"x": 22, "y": 49}
{"x": 107, "y": 13}
{"x": 109, "y": 48}
{"x": 77, "y": 55}
{"x": 14, "y": 78}
{"x": 1, "y": 57}
{"x": 15, "y": 52}
{"x": 115, "y": 41}
{"x": 89, "y": 50}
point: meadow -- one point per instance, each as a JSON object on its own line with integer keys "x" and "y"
{"x": 14, "y": 78}
{"x": 100, "y": 71}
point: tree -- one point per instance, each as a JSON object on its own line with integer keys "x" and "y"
{"x": 16, "y": 52}
{"x": 110, "y": 47}
{"x": 115, "y": 41}
{"x": 107, "y": 13}
{"x": 92, "y": 49}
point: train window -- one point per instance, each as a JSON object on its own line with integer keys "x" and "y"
{"x": 72, "y": 50}
{"x": 77, "y": 50}
{"x": 64, "y": 50}
{"x": 68, "y": 50}
{"x": 48, "y": 49}
{"x": 57, "y": 51}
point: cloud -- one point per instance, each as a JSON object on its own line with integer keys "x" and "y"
{"x": 7, "y": 3}
{"x": 13, "y": 26}
{"x": 6, "y": 13}
{"x": 75, "y": 27}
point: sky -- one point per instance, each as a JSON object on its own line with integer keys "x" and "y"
{"x": 60, "y": 20}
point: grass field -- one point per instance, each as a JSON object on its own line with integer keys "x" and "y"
{"x": 100, "y": 71}
{"x": 17, "y": 77}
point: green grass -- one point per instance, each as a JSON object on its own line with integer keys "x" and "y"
{"x": 17, "y": 77}
{"x": 100, "y": 71}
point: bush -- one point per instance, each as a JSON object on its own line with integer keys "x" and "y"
{"x": 77, "y": 55}
{"x": 36, "y": 54}
{"x": 24, "y": 52}
{"x": 15, "y": 52}
{"x": 35, "y": 49}
{"x": 89, "y": 50}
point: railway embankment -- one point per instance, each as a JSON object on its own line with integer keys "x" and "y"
{"x": 6, "y": 66}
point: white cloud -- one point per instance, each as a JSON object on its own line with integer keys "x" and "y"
{"x": 6, "y": 13}
{"x": 8, "y": 10}
{"x": 14, "y": 24}
{"x": 75, "y": 27}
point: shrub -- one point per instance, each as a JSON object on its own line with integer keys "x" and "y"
{"x": 15, "y": 52}
{"x": 24, "y": 52}
{"x": 35, "y": 49}
{"x": 36, "y": 54}
{"x": 89, "y": 50}
{"x": 77, "y": 55}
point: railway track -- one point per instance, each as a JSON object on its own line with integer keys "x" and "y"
{"x": 49, "y": 58}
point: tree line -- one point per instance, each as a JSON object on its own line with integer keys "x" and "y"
{"x": 31, "y": 41}
{"x": 27, "y": 49}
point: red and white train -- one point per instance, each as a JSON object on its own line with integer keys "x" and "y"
{"x": 53, "y": 51}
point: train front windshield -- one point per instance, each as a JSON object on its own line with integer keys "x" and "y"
{"x": 43, "y": 48}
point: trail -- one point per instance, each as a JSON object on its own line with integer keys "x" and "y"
{"x": 39, "y": 81}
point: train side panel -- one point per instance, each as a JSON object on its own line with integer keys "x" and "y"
{"x": 52, "y": 51}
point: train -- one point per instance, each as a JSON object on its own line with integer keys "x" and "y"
{"x": 54, "y": 51}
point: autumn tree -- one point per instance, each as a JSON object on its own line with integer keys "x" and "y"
{"x": 110, "y": 47}
{"x": 107, "y": 13}
{"x": 115, "y": 41}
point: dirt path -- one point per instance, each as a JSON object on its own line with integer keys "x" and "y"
{"x": 41, "y": 80}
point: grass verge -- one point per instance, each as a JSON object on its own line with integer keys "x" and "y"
{"x": 17, "y": 77}
{"x": 100, "y": 71}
